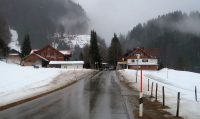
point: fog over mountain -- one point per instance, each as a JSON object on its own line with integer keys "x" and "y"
{"x": 109, "y": 16}
{"x": 42, "y": 18}
{"x": 176, "y": 35}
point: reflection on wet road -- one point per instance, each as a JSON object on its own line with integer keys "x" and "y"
{"x": 96, "y": 98}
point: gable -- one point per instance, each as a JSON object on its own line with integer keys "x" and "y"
{"x": 13, "y": 51}
{"x": 33, "y": 57}
{"x": 47, "y": 49}
{"x": 138, "y": 51}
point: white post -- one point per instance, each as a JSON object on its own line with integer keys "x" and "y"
{"x": 141, "y": 98}
{"x": 141, "y": 105}
{"x": 137, "y": 68}
{"x": 137, "y": 71}
{"x": 167, "y": 73}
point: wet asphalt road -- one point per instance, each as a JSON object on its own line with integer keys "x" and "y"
{"x": 100, "y": 97}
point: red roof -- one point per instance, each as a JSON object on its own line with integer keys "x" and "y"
{"x": 64, "y": 52}
{"x": 147, "y": 53}
{"x": 40, "y": 57}
{"x": 48, "y": 46}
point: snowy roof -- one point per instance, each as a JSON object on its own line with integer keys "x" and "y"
{"x": 33, "y": 50}
{"x": 41, "y": 57}
{"x": 13, "y": 54}
{"x": 66, "y": 52}
{"x": 13, "y": 51}
{"x": 66, "y": 62}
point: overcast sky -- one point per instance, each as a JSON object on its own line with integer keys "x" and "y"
{"x": 120, "y": 16}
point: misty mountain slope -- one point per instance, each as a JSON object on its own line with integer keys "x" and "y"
{"x": 176, "y": 34}
{"x": 4, "y": 30}
{"x": 80, "y": 40}
{"x": 42, "y": 18}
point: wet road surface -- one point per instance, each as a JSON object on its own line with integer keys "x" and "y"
{"x": 100, "y": 97}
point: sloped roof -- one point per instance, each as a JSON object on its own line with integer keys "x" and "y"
{"x": 154, "y": 52}
{"x": 63, "y": 52}
{"x": 13, "y": 51}
{"x": 48, "y": 46}
{"x": 41, "y": 57}
{"x": 36, "y": 56}
{"x": 33, "y": 50}
{"x": 150, "y": 53}
{"x": 66, "y": 52}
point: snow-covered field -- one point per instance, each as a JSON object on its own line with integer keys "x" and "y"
{"x": 174, "y": 81}
{"x": 17, "y": 83}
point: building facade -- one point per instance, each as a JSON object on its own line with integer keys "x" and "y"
{"x": 140, "y": 58}
{"x": 43, "y": 56}
{"x": 13, "y": 57}
{"x": 67, "y": 64}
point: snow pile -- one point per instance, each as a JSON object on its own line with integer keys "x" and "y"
{"x": 174, "y": 81}
{"x": 17, "y": 83}
{"x": 14, "y": 44}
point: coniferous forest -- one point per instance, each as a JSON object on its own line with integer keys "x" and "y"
{"x": 176, "y": 34}
{"x": 42, "y": 18}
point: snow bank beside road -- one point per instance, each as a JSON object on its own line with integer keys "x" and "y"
{"x": 174, "y": 81}
{"x": 14, "y": 77}
{"x": 18, "y": 83}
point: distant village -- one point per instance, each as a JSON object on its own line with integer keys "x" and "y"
{"x": 49, "y": 56}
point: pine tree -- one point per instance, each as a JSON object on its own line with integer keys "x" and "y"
{"x": 115, "y": 51}
{"x": 94, "y": 50}
{"x": 182, "y": 63}
{"x": 3, "y": 48}
{"x": 86, "y": 56}
{"x": 76, "y": 53}
{"x": 26, "y": 46}
{"x": 81, "y": 56}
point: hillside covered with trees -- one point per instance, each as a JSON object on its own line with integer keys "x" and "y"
{"x": 42, "y": 18}
{"x": 176, "y": 34}
{"x": 5, "y": 36}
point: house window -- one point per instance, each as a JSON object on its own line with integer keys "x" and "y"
{"x": 145, "y": 60}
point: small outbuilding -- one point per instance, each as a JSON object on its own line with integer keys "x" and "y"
{"x": 67, "y": 64}
{"x": 14, "y": 57}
